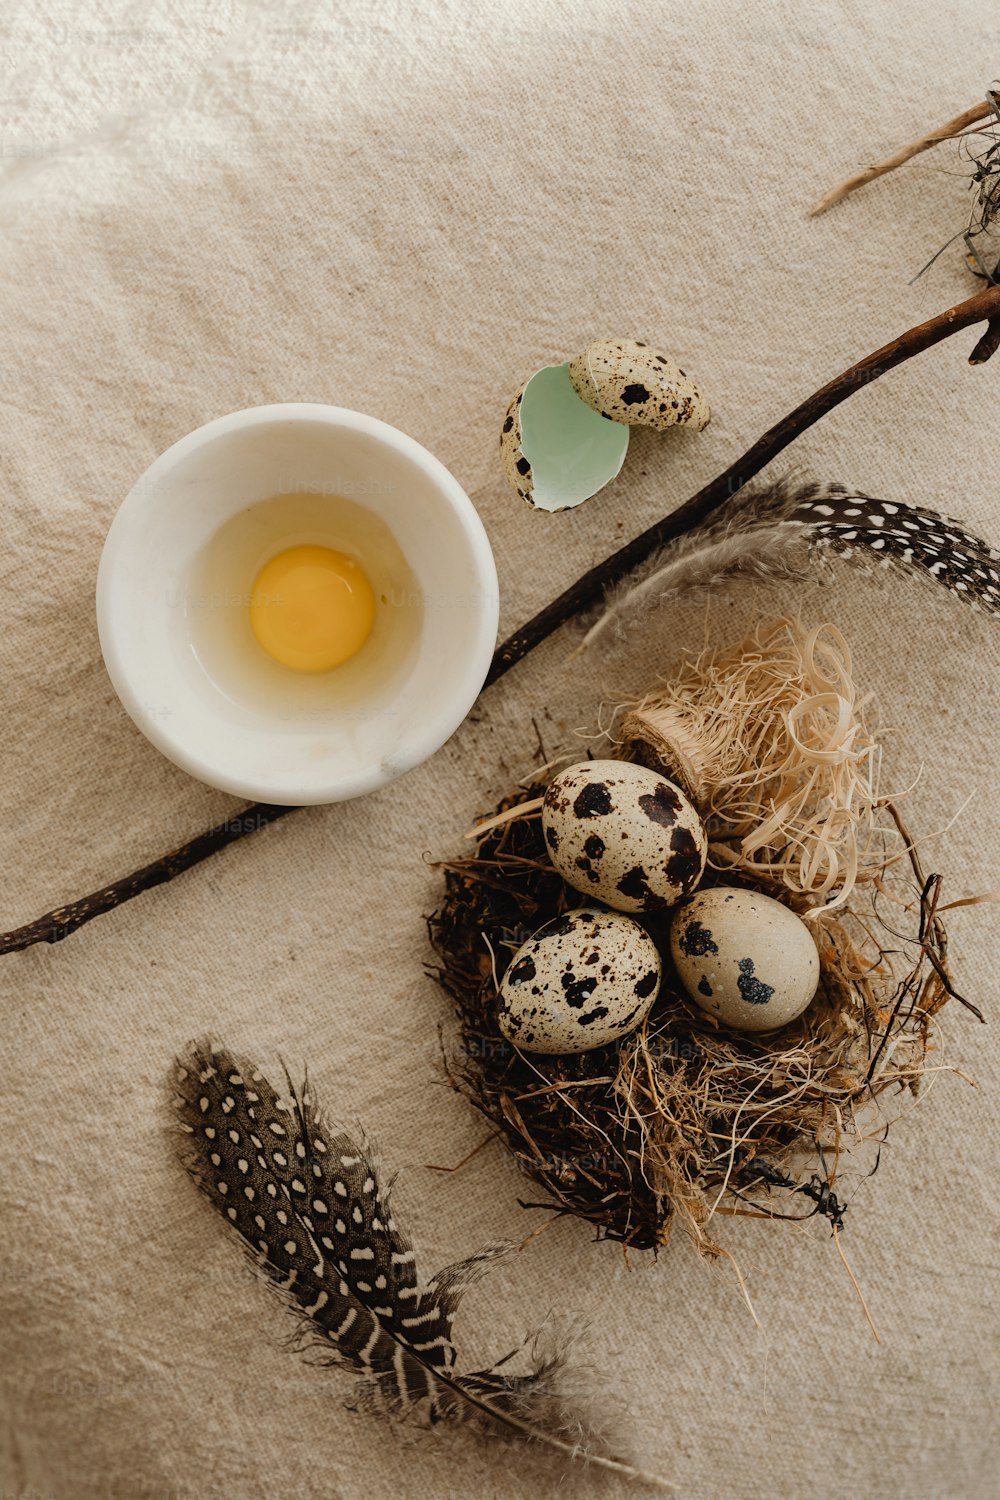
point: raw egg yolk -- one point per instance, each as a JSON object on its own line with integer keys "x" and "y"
{"x": 312, "y": 608}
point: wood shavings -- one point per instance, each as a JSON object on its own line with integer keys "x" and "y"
{"x": 787, "y": 761}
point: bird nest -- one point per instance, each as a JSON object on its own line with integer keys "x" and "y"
{"x": 685, "y": 1119}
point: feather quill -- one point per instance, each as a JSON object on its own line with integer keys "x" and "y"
{"x": 783, "y": 531}
{"x": 315, "y": 1214}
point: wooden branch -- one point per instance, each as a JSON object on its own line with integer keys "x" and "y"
{"x": 988, "y": 344}
{"x": 945, "y": 132}
{"x": 983, "y": 307}
{"x": 56, "y": 925}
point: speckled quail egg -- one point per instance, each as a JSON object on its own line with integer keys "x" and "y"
{"x": 744, "y": 958}
{"x": 566, "y": 432}
{"x": 629, "y": 382}
{"x": 581, "y": 982}
{"x": 623, "y": 834}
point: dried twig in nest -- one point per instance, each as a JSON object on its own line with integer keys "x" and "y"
{"x": 946, "y": 132}
{"x": 976, "y": 130}
{"x": 684, "y": 1119}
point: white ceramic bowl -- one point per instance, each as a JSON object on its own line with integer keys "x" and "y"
{"x": 208, "y": 725}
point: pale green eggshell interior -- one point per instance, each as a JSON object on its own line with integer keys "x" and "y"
{"x": 572, "y": 449}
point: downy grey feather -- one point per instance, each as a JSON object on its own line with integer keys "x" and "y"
{"x": 784, "y": 530}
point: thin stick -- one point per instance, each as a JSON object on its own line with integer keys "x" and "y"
{"x": 56, "y": 925}
{"x": 560, "y": 1088}
{"x": 520, "y": 811}
{"x": 431, "y": 1166}
{"x": 937, "y": 959}
{"x": 944, "y": 132}
{"x": 984, "y": 307}
{"x": 540, "y": 1230}
{"x": 743, "y": 1286}
{"x": 971, "y": 901}
{"x": 856, "y": 1284}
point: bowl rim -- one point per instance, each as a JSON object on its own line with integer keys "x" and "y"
{"x": 463, "y": 687}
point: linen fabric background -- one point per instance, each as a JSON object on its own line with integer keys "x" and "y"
{"x": 407, "y": 208}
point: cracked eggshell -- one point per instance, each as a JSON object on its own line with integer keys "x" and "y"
{"x": 515, "y": 465}
{"x": 555, "y": 451}
{"x": 623, "y": 834}
{"x": 582, "y": 981}
{"x": 744, "y": 958}
{"x": 631, "y": 382}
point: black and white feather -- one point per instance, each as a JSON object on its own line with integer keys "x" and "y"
{"x": 315, "y": 1214}
{"x": 784, "y": 531}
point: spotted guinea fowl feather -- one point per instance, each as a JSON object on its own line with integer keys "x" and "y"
{"x": 784, "y": 530}
{"x": 314, "y": 1212}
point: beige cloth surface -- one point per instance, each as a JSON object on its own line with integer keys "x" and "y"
{"x": 406, "y": 209}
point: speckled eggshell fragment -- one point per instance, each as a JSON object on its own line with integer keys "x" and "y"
{"x": 581, "y": 982}
{"x": 744, "y": 958}
{"x": 515, "y": 465}
{"x": 623, "y": 834}
{"x": 630, "y": 382}
{"x": 556, "y": 450}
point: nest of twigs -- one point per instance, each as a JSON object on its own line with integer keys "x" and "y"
{"x": 686, "y": 1119}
